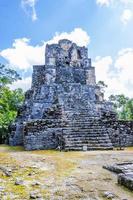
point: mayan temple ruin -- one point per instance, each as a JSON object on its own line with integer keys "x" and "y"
{"x": 65, "y": 108}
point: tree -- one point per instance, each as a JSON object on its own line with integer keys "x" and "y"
{"x": 7, "y": 75}
{"x": 123, "y": 105}
{"x": 129, "y": 109}
{"x": 10, "y": 100}
{"x": 102, "y": 85}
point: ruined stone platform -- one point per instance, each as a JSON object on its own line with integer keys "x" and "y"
{"x": 125, "y": 173}
{"x": 65, "y": 108}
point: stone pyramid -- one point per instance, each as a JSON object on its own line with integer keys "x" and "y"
{"x": 64, "y": 107}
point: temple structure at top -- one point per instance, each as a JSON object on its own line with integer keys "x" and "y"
{"x": 64, "y": 108}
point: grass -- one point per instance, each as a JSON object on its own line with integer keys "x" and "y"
{"x": 63, "y": 162}
{"x": 8, "y": 148}
{"x": 6, "y": 159}
{"x": 59, "y": 167}
{"x": 129, "y": 148}
{"x": 18, "y": 191}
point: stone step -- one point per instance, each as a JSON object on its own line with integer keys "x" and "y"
{"x": 95, "y": 136}
{"x": 95, "y": 133}
{"x": 89, "y": 127}
{"x": 83, "y": 113}
{"x": 88, "y": 140}
{"x": 86, "y": 130}
{"x": 77, "y": 126}
{"x": 82, "y": 125}
{"x": 82, "y": 120}
{"x": 88, "y": 148}
{"x": 85, "y": 123}
{"x": 86, "y": 136}
{"x": 71, "y": 140}
{"x": 78, "y": 133}
{"x": 83, "y": 134}
{"x": 93, "y": 140}
{"x": 78, "y": 112}
{"x": 88, "y": 145}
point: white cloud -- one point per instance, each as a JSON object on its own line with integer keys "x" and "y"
{"x": 126, "y": 16}
{"x": 78, "y": 35}
{"x": 22, "y": 55}
{"x": 102, "y": 67}
{"x": 126, "y": 2}
{"x": 125, "y": 5}
{"x": 25, "y": 84}
{"x": 124, "y": 64}
{"x": 103, "y": 2}
{"x": 29, "y": 8}
{"x": 109, "y": 2}
{"x": 118, "y": 77}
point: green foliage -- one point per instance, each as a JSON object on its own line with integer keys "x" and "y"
{"x": 101, "y": 84}
{"x": 7, "y": 75}
{"x": 123, "y": 105}
{"x": 10, "y": 100}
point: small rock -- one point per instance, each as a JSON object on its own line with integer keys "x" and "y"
{"x": 19, "y": 182}
{"x": 10, "y": 170}
{"x": 32, "y": 195}
{"x": 39, "y": 196}
{"x": 109, "y": 195}
{"x": 36, "y": 183}
{"x": 2, "y": 188}
{"x": 6, "y": 171}
{"x": 35, "y": 195}
{"x": 31, "y": 173}
{"x": 8, "y": 174}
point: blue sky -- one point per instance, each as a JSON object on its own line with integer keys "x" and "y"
{"x": 107, "y": 23}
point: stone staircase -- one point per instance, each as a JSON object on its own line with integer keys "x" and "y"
{"x": 86, "y": 133}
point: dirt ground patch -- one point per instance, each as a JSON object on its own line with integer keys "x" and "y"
{"x": 60, "y": 175}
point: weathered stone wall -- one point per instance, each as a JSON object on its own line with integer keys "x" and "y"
{"x": 16, "y": 137}
{"x": 38, "y": 76}
{"x": 42, "y": 134}
{"x": 122, "y": 133}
